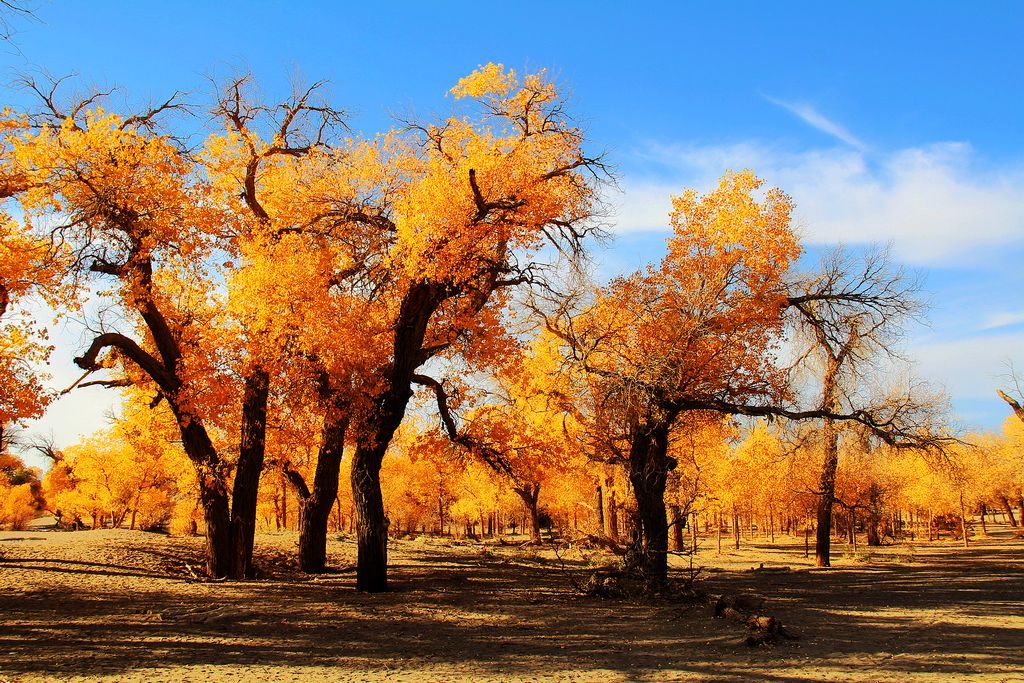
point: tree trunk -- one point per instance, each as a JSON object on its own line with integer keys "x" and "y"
{"x": 984, "y": 529}
{"x": 217, "y": 517}
{"x": 718, "y": 523}
{"x": 649, "y": 465}
{"x": 213, "y": 495}
{"x": 693, "y": 534}
{"x": 251, "y": 451}
{"x": 678, "y": 522}
{"x": 600, "y": 510}
{"x": 963, "y": 519}
{"x": 612, "y": 518}
{"x": 735, "y": 528}
{"x": 1009, "y": 510}
{"x": 827, "y": 493}
{"x": 371, "y": 522}
{"x": 529, "y": 493}
{"x": 853, "y": 529}
{"x": 315, "y": 505}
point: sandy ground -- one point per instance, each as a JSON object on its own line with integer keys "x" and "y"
{"x": 123, "y": 606}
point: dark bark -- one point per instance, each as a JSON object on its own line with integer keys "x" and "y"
{"x": 213, "y": 495}
{"x": 874, "y": 519}
{"x": 1009, "y": 510}
{"x": 163, "y": 370}
{"x": 963, "y": 520}
{"x": 827, "y": 494}
{"x": 530, "y": 493}
{"x": 371, "y": 523}
{"x": 378, "y": 428}
{"x": 315, "y": 505}
{"x": 251, "y": 453}
{"x": 649, "y": 466}
{"x": 600, "y": 510}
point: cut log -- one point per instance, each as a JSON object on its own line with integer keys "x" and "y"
{"x": 764, "y": 629}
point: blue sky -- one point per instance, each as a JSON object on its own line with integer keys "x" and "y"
{"x": 887, "y": 122}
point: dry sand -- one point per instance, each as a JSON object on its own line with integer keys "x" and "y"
{"x": 122, "y": 606}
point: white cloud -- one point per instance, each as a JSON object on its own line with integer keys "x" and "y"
{"x": 931, "y": 202}
{"x": 997, "y": 320}
{"x": 812, "y": 117}
{"x": 970, "y": 368}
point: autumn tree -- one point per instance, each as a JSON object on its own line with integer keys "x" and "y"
{"x": 460, "y": 207}
{"x": 132, "y": 473}
{"x": 852, "y": 313}
{"x": 137, "y": 210}
{"x": 283, "y": 171}
{"x": 700, "y": 333}
{"x": 518, "y": 427}
{"x": 694, "y": 332}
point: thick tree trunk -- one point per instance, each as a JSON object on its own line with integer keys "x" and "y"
{"x": 251, "y": 452}
{"x": 827, "y": 494}
{"x": 599, "y": 508}
{"x": 378, "y": 428}
{"x": 315, "y": 505}
{"x": 530, "y": 493}
{"x": 216, "y": 515}
{"x": 1009, "y": 510}
{"x": 213, "y": 495}
{"x": 371, "y": 522}
{"x": 649, "y": 465}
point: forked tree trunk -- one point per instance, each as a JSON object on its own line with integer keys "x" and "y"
{"x": 213, "y": 495}
{"x": 315, "y": 505}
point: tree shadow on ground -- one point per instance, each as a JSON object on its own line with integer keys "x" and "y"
{"x": 510, "y": 618}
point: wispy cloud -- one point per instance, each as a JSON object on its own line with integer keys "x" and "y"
{"x": 996, "y": 321}
{"x": 934, "y": 203}
{"x": 814, "y": 118}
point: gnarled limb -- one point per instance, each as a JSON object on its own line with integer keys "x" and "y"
{"x": 167, "y": 382}
{"x": 1018, "y": 410}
